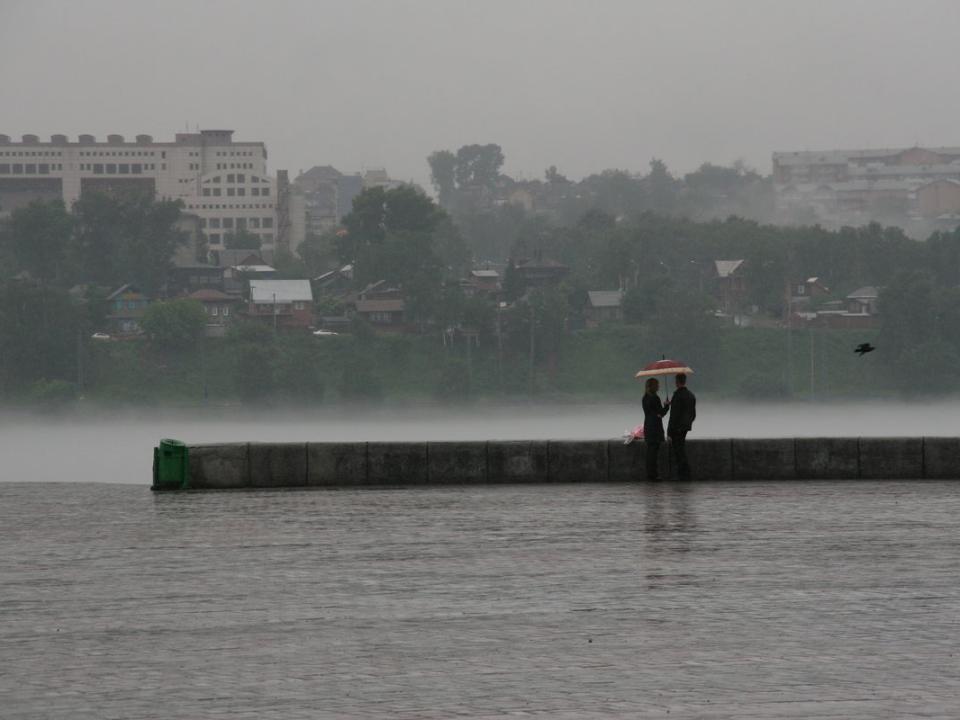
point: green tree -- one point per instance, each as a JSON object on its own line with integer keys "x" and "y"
{"x": 38, "y": 238}
{"x": 478, "y": 166}
{"x": 685, "y": 329}
{"x": 125, "y": 239}
{"x": 378, "y": 212}
{"x": 443, "y": 168}
{"x": 288, "y": 265}
{"x": 662, "y": 187}
{"x": 318, "y": 253}
{"x": 175, "y": 325}
{"x": 41, "y": 328}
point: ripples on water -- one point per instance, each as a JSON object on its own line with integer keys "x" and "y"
{"x": 724, "y": 600}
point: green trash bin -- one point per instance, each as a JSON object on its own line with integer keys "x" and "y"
{"x": 171, "y": 469}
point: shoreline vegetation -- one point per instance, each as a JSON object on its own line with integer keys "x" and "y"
{"x": 589, "y": 366}
{"x": 533, "y": 336}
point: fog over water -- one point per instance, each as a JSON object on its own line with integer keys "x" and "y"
{"x": 118, "y": 448}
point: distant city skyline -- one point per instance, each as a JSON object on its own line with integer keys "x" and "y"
{"x": 581, "y": 86}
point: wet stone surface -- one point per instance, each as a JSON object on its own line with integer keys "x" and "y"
{"x": 719, "y": 600}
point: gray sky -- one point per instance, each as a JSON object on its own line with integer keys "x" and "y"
{"x": 585, "y": 85}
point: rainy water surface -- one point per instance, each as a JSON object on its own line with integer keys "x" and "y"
{"x": 722, "y": 600}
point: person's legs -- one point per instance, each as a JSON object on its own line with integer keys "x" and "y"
{"x": 678, "y": 444}
{"x": 653, "y": 451}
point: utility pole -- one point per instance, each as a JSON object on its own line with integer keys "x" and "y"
{"x": 813, "y": 371}
{"x": 469, "y": 339}
{"x": 80, "y": 361}
{"x": 789, "y": 340}
{"x": 532, "y": 328}
{"x": 499, "y": 347}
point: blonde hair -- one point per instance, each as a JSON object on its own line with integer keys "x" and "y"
{"x": 652, "y": 385}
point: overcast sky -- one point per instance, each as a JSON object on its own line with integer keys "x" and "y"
{"x": 585, "y": 85}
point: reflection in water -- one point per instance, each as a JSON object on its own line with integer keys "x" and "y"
{"x": 669, "y": 522}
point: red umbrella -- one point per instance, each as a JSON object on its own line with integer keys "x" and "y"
{"x": 664, "y": 367}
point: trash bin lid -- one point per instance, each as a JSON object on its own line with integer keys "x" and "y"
{"x": 172, "y": 443}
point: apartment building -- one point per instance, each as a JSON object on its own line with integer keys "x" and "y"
{"x": 854, "y": 186}
{"x": 223, "y": 182}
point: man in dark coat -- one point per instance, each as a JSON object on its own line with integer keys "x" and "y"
{"x": 683, "y": 411}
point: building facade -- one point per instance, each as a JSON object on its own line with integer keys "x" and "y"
{"x": 900, "y": 185}
{"x": 223, "y": 182}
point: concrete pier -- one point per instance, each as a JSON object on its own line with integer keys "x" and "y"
{"x": 282, "y": 465}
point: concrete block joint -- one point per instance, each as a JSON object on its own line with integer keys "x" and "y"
{"x": 352, "y": 464}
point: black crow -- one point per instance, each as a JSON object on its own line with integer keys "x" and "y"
{"x": 863, "y": 348}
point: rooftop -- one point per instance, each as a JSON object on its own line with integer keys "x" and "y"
{"x": 280, "y": 291}
{"x": 726, "y": 268}
{"x": 605, "y": 298}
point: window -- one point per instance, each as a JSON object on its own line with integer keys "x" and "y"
{"x": 214, "y": 310}
{"x": 268, "y": 222}
{"x": 214, "y": 238}
{"x": 30, "y": 169}
{"x": 124, "y": 168}
{"x": 240, "y": 178}
{"x": 231, "y": 178}
{"x": 255, "y": 191}
{"x": 225, "y": 310}
{"x": 228, "y": 223}
{"x": 111, "y": 169}
{"x": 206, "y": 192}
{"x": 255, "y": 223}
{"x": 265, "y": 191}
{"x": 4, "y": 168}
{"x": 43, "y": 169}
{"x": 216, "y": 192}
{"x": 241, "y": 191}
{"x": 97, "y": 169}
{"x": 136, "y": 169}
{"x": 215, "y": 222}
{"x": 241, "y": 223}
{"x": 17, "y": 169}
{"x": 216, "y": 179}
{"x": 298, "y": 306}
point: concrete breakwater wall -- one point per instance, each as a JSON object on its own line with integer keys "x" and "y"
{"x": 338, "y": 464}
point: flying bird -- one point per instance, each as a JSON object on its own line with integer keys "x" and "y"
{"x": 863, "y": 348}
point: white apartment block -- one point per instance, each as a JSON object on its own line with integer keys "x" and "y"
{"x": 222, "y": 182}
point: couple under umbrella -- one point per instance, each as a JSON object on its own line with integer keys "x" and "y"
{"x": 682, "y": 408}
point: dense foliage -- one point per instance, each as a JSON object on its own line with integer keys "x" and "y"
{"x": 656, "y": 237}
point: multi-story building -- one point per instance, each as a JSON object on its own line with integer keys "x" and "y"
{"x": 222, "y": 182}
{"x": 904, "y": 185}
{"x": 328, "y": 195}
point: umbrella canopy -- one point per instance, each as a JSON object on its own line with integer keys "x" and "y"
{"x": 664, "y": 367}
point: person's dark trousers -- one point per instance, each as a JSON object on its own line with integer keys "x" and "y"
{"x": 678, "y": 448}
{"x": 653, "y": 453}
